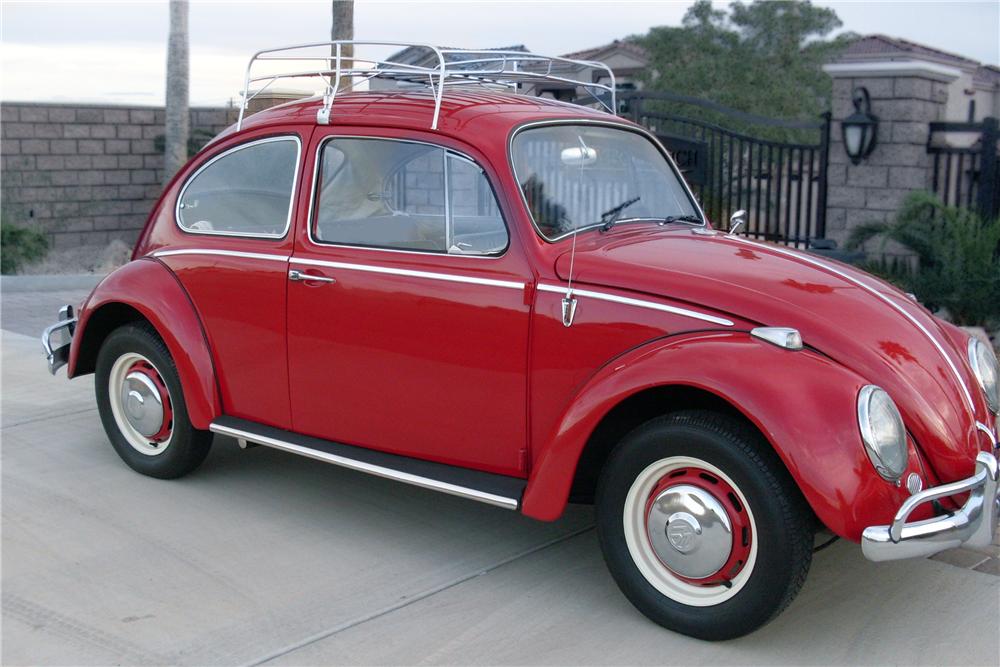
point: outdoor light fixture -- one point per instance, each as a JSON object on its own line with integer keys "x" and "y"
{"x": 860, "y": 128}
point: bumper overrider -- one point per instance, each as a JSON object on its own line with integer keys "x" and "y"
{"x": 973, "y": 525}
{"x": 56, "y": 339}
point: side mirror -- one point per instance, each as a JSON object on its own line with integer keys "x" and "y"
{"x": 737, "y": 220}
{"x": 578, "y": 156}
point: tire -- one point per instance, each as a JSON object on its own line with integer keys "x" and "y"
{"x": 133, "y": 356}
{"x": 717, "y": 465}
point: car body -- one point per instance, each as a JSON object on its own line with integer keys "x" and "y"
{"x": 511, "y": 373}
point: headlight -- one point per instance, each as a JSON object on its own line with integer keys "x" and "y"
{"x": 882, "y": 432}
{"x": 984, "y": 365}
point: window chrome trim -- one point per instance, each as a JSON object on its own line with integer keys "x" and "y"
{"x": 222, "y": 253}
{"x": 450, "y": 277}
{"x": 249, "y": 144}
{"x": 314, "y": 186}
{"x": 868, "y": 288}
{"x": 605, "y": 123}
{"x": 639, "y": 303}
{"x": 370, "y": 468}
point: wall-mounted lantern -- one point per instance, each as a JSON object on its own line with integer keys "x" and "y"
{"x": 860, "y": 128}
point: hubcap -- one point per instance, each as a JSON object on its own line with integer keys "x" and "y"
{"x": 143, "y": 405}
{"x": 689, "y": 531}
{"x": 140, "y": 403}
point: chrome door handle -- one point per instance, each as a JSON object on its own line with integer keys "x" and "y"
{"x": 299, "y": 276}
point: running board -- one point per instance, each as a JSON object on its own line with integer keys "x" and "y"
{"x": 498, "y": 490}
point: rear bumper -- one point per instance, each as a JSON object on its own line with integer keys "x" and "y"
{"x": 56, "y": 339}
{"x": 973, "y": 525}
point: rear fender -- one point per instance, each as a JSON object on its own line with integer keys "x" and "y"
{"x": 802, "y": 402}
{"x": 151, "y": 289}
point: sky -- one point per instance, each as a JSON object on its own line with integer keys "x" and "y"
{"x": 88, "y": 51}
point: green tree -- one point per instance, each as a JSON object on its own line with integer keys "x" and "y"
{"x": 764, "y": 58}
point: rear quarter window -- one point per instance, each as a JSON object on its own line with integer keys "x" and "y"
{"x": 245, "y": 191}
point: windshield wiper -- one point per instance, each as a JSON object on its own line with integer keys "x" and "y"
{"x": 610, "y": 217}
{"x": 680, "y": 218}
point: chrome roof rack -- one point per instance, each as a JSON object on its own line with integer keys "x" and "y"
{"x": 442, "y": 67}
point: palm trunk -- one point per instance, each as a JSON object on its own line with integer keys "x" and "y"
{"x": 177, "y": 114}
{"x": 342, "y": 27}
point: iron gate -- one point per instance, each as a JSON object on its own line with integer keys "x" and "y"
{"x": 966, "y": 169}
{"x": 781, "y": 182}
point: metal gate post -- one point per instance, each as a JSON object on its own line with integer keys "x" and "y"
{"x": 824, "y": 162}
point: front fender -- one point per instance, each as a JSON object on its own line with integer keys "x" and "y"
{"x": 802, "y": 402}
{"x": 149, "y": 287}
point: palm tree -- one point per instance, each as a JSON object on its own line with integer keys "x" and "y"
{"x": 342, "y": 27}
{"x": 177, "y": 114}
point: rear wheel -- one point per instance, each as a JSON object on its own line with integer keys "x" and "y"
{"x": 701, "y": 525}
{"x": 141, "y": 402}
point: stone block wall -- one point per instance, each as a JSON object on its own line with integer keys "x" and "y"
{"x": 86, "y": 175}
{"x": 905, "y": 103}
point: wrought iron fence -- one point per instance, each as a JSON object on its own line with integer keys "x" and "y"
{"x": 775, "y": 173}
{"x": 966, "y": 168}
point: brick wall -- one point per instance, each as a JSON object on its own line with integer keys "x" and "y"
{"x": 86, "y": 175}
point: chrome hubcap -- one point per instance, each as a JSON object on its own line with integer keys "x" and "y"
{"x": 142, "y": 402}
{"x": 690, "y": 531}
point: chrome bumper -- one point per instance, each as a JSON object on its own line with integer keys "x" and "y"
{"x": 58, "y": 355}
{"x": 972, "y": 525}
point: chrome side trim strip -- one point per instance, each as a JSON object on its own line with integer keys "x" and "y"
{"x": 223, "y": 253}
{"x": 601, "y": 296}
{"x": 371, "y": 469}
{"x": 883, "y": 297}
{"x": 450, "y": 277}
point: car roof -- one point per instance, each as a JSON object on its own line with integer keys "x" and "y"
{"x": 464, "y": 111}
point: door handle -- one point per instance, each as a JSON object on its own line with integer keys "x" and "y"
{"x": 299, "y": 276}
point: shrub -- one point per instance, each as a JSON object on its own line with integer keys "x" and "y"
{"x": 957, "y": 254}
{"x": 19, "y": 245}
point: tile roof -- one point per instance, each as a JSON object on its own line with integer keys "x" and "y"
{"x": 871, "y": 46}
{"x": 624, "y": 44}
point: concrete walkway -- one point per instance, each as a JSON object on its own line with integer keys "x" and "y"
{"x": 261, "y": 557}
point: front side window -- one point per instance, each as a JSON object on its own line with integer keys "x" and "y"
{"x": 246, "y": 191}
{"x": 577, "y": 176}
{"x": 384, "y": 193}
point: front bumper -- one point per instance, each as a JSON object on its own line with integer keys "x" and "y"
{"x": 972, "y": 525}
{"x": 57, "y": 353}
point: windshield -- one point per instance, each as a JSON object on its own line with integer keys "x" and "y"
{"x": 577, "y": 176}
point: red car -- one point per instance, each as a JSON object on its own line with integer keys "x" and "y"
{"x": 519, "y": 301}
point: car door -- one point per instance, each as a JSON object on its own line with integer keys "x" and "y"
{"x": 407, "y": 314}
{"x": 230, "y": 250}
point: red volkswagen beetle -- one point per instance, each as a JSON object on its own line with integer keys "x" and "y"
{"x": 519, "y": 301}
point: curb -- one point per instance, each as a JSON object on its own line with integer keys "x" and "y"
{"x": 49, "y": 283}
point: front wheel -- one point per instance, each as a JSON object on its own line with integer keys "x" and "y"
{"x": 701, "y": 525}
{"x": 141, "y": 402}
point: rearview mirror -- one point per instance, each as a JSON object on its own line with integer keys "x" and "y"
{"x": 578, "y": 156}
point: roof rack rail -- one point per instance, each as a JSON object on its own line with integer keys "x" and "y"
{"x": 340, "y": 70}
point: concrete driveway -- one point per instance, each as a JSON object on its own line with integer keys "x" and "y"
{"x": 262, "y": 557}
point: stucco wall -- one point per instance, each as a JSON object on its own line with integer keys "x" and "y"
{"x": 86, "y": 175}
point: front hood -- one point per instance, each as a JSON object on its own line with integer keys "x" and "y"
{"x": 856, "y": 319}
